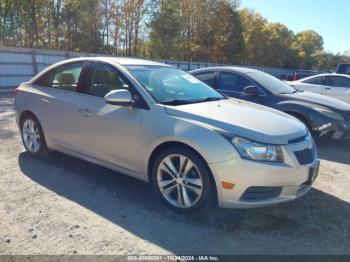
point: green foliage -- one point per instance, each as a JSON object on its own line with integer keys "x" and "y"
{"x": 200, "y": 30}
{"x": 307, "y": 45}
{"x": 166, "y": 33}
{"x": 196, "y": 30}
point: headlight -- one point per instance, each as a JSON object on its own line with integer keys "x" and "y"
{"x": 329, "y": 113}
{"x": 256, "y": 151}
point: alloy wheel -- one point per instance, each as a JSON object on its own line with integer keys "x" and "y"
{"x": 179, "y": 181}
{"x": 31, "y": 135}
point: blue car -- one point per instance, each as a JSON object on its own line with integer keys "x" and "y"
{"x": 324, "y": 116}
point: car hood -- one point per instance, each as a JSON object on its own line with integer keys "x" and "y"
{"x": 319, "y": 99}
{"x": 241, "y": 118}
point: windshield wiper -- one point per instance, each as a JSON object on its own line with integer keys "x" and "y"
{"x": 207, "y": 99}
{"x": 191, "y": 101}
{"x": 176, "y": 102}
{"x": 295, "y": 91}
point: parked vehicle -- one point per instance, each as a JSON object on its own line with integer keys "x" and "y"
{"x": 164, "y": 126}
{"x": 343, "y": 69}
{"x": 324, "y": 116}
{"x": 300, "y": 74}
{"x": 333, "y": 85}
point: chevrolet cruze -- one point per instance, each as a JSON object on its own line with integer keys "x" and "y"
{"x": 164, "y": 126}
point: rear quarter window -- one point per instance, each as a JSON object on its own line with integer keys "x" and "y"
{"x": 45, "y": 80}
{"x": 315, "y": 80}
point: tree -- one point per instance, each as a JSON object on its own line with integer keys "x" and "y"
{"x": 254, "y": 37}
{"x": 166, "y": 31}
{"x": 197, "y": 30}
{"x": 277, "y": 46}
{"x": 194, "y": 30}
{"x": 225, "y": 34}
{"x": 307, "y": 45}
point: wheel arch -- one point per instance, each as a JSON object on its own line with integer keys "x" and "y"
{"x": 25, "y": 113}
{"x": 159, "y": 148}
{"x": 301, "y": 117}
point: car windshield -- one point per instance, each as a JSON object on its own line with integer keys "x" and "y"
{"x": 169, "y": 85}
{"x": 271, "y": 83}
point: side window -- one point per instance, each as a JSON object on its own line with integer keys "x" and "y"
{"x": 347, "y": 70}
{"x": 66, "y": 77}
{"x": 339, "y": 81}
{"x": 207, "y": 77}
{"x": 344, "y": 69}
{"x": 45, "y": 80}
{"x": 233, "y": 82}
{"x": 319, "y": 80}
{"x": 105, "y": 78}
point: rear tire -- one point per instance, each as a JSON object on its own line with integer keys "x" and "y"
{"x": 182, "y": 180}
{"x": 32, "y": 136}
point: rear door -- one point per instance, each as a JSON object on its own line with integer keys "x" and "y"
{"x": 58, "y": 105}
{"x": 338, "y": 87}
{"x": 108, "y": 133}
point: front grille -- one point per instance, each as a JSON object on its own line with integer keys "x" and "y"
{"x": 305, "y": 156}
{"x": 297, "y": 140}
{"x": 261, "y": 193}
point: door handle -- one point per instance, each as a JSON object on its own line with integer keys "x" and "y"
{"x": 85, "y": 112}
{"x": 45, "y": 101}
{"x": 328, "y": 88}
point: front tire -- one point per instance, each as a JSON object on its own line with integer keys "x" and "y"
{"x": 32, "y": 136}
{"x": 302, "y": 119}
{"x": 182, "y": 180}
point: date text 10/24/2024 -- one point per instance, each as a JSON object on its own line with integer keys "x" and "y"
{"x": 172, "y": 258}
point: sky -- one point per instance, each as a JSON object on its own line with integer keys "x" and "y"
{"x": 330, "y": 18}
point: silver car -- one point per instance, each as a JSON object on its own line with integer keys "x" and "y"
{"x": 164, "y": 126}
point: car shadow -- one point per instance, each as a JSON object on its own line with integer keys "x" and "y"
{"x": 312, "y": 224}
{"x": 334, "y": 150}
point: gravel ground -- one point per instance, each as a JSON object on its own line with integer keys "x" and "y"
{"x": 62, "y": 205}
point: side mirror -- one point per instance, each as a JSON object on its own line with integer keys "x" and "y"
{"x": 251, "y": 91}
{"x": 120, "y": 97}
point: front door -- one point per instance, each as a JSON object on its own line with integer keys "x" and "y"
{"x": 233, "y": 85}
{"x": 108, "y": 133}
{"x": 314, "y": 84}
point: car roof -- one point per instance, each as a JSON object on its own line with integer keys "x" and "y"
{"x": 124, "y": 61}
{"x": 119, "y": 60}
{"x": 325, "y": 74}
{"x": 226, "y": 68}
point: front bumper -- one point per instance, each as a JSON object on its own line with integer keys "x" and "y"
{"x": 333, "y": 129}
{"x": 270, "y": 183}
